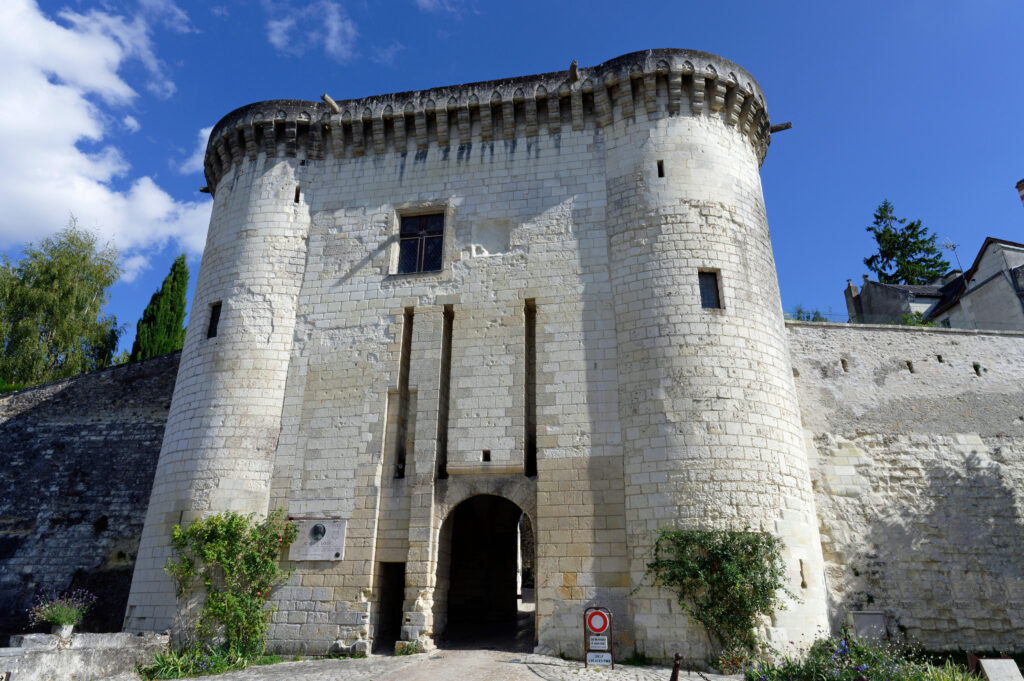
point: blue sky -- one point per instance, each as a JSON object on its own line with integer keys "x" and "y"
{"x": 106, "y": 104}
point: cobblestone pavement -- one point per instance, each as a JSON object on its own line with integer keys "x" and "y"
{"x": 453, "y": 665}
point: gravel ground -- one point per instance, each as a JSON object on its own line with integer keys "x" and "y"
{"x": 453, "y": 665}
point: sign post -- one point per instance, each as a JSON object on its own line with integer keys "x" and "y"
{"x": 597, "y": 637}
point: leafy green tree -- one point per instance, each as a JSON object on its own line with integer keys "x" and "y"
{"x": 161, "y": 329}
{"x": 915, "y": 319}
{"x": 51, "y": 309}
{"x": 907, "y": 253}
{"x": 802, "y": 315}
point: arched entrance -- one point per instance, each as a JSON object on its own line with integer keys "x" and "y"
{"x": 479, "y": 600}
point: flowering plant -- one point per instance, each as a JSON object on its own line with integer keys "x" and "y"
{"x": 63, "y": 609}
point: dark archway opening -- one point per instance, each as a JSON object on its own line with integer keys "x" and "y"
{"x": 390, "y": 599}
{"x": 479, "y": 600}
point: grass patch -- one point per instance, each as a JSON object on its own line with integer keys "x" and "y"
{"x": 200, "y": 662}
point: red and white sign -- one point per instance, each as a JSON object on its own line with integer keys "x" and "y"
{"x": 597, "y": 622}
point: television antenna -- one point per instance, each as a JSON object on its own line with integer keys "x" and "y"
{"x": 950, "y": 246}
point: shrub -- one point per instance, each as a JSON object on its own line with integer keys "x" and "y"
{"x": 61, "y": 610}
{"x": 234, "y": 558}
{"x": 183, "y": 664}
{"x": 408, "y": 648}
{"x": 198, "y": 662}
{"x": 846, "y": 658}
{"x": 723, "y": 578}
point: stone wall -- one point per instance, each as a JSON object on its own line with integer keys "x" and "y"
{"x": 579, "y": 211}
{"x": 78, "y": 462}
{"x": 916, "y": 439}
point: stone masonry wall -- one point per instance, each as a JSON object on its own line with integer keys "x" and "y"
{"x": 322, "y": 392}
{"x": 916, "y": 440}
{"x": 78, "y": 461}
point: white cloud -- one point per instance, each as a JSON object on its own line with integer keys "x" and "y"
{"x": 220, "y": 11}
{"x": 133, "y": 266}
{"x": 386, "y": 56}
{"x": 322, "y": 24}
{"x": 57, "y": 160}
{"x": 194, "y": 163}
{"x": 168, "y": 15}
{"x": 341, "y": 32}
{"x": 131, "y": 36}
{"x": 278, "y": 32}
{"x": 131, "y": 124}
{"x": 454, "y": 6}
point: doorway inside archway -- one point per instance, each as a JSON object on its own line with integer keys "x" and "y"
{"x": 484, "y": 596}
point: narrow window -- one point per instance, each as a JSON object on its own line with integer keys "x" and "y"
{"x": 420, "y": 243}
{"x": 661, "y": 169}
{"x": 211, "y": 330}
{"x": 485, "y": 456}
{"x": 444, "y": 391}
{"x": 298, "y": 193}
{"x": 709, "y": 297}
{"x": 910, "y": 367}
{"x": 846, "y": 366}
{"x": 530, "y": 383}
{"x": 403, "y": 393}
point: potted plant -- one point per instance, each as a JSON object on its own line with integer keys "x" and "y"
{"x": 61, "y": 611}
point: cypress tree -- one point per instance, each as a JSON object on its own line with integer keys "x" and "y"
{"x": 161, "y": 329}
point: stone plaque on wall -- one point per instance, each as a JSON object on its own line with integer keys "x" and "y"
{"x": 319, "y": 539}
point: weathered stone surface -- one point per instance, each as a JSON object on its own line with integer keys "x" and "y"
{"x": 916, "y": 439}
{"x": 1000, "y": 669}
{"x": 599, "y": 199}
{"x": 78, "y": 461}
{"x": 82, "y": 657}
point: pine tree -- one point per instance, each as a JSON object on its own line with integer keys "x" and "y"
{"x": 907, "y": 253}
{"x": 161, "y": 329}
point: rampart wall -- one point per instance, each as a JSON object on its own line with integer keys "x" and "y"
{"x": 916, "y": 442}
{"x": 78, "y": 458}
{"x": 917, "y": 476}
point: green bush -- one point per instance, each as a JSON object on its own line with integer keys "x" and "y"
{"x": 199, "y": 662}
{"x": 235, "y": 560}
{"x": 845, "y": 658}
{"x": 723, "y": 578}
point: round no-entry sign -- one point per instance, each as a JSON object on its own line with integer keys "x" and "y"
{"x": 597, "y": 622}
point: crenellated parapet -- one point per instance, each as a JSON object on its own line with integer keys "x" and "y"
{"x": 651, "y": 84}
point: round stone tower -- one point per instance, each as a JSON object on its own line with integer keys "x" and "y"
{"x": 630, "y": 218}
{"x": 225, "y": 414}
{"x": 709, "y": 414}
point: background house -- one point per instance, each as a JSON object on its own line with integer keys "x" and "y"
{"x": 989, "y": 295}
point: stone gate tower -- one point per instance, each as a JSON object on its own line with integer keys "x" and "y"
{"x": 429, "y": 322}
